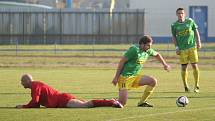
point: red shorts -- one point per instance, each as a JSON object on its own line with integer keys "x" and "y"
{"x": 63, "y": 99}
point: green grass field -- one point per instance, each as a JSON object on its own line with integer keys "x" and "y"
{"x": 85, "y": 83}
{"x": 90, "y": 78}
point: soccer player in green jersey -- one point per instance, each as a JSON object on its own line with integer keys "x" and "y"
{"x": 186, "y": 38}
{"x": 128, "y": 74}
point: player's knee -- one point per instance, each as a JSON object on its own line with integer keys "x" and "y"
{"x": 89, "y": 104}
{"x": 153, "y": 82}
{"x": 195, "y": 66}
{"x": 184, "y": 67}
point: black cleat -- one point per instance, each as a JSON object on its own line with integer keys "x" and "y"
{"x": 186, "y": 89}
{"x": 196, "y": 89}
{"x": 145, "y": 104}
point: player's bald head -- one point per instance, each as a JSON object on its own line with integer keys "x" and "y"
{"x": 26, "y": 77}
{"x": 26, "y": 80}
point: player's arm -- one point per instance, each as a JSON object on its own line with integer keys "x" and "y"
{"x": 161, "y": 59}
{"x": 173, "y": 35}
{"x": 174, "y": 39}
{"x": 176, "y": 46}
{"x": 34, "y": 103}
{"x": 198, "y": 41}
{"x": 31, "y": 104}
{"x": 122, "y": 61}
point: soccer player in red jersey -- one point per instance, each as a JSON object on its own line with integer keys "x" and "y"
{"x": 44, "y": 95}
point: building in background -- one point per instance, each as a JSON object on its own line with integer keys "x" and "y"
{"x": 77, "y": 4}
{"x": 21, "y": 1}
{"x": 60, "y": 4}
{"x": 161, "y": 13}
{"x": 20, "y": 5}
{"x": 93, "y": 4}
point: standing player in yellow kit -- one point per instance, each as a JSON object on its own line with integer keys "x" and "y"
{"x": 186, "y": 38}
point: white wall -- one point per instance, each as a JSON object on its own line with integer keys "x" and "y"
{"x": 161, "y": 13}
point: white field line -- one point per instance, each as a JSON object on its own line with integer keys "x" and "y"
{"x": 165, "y": 113}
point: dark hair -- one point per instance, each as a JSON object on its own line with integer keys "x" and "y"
{"x": 145, "y": 39}
{"x": 179, "y": 9}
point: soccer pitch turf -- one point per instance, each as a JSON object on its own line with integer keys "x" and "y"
{"x": 93, "y": 83}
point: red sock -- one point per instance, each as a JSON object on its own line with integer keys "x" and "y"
{"x": 103, "y": 103}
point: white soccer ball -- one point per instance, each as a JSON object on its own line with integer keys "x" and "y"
{"x": 182, "y": 101}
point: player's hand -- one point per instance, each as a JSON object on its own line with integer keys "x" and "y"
{"x": 199, "y": 45}
{"x": 167, "y": 67}
{"x": 19, "y": 106}
{"x": 115, "y": 80}
{"x": 177, "y": 50}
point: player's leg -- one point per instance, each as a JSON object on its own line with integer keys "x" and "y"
{"x": 123, "y": 96}
{"x": 196, "y": 76}
{"x": 151, "y": 83}
{"x": 184, "y": 76}
{"x": 184, "y": 60}
{"x": 194, "y": 60}
{"x": 106, "y": 103}
{"x": 124, "y": 84}
{"x": 76, "y": 103}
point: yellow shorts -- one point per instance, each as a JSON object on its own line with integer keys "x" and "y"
{"x": 189, "y": 55}
{"x": 129, "y": 82}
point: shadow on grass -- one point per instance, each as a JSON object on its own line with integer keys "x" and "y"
{"x": 106, "y": 95}
{"x": 88, "y": 95}
{"x": 12, "y": 93}
{"x": 174, "y": 97}
{"x": 8, "y": 108}
{"x": 20, "y": 108}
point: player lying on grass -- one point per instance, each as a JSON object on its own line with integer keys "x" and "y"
{"x": 128, "y": 72}
{"x": 48, "y": 97}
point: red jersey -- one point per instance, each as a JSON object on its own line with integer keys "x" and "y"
{"x": 47, "y": 96}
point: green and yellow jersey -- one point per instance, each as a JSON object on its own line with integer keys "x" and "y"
{"x": 136, "y": 57}
{"x": 184, "y": 33}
